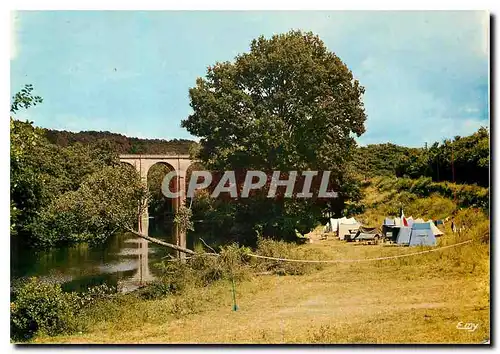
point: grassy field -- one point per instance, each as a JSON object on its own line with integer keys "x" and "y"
{"x": 418, "y": 299}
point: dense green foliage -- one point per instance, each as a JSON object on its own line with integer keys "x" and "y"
{"x": 159, "y": 205}
{"x": 119, "y": 143}
{"x": 378, "y": 159}
{"x": 288, "y": 104}
{"x": 39, "y": 307}
{"x": 42, "y": 307}
{"x": 25, "y": 188}
{"x": 66, "y": 194}
{"x": 467, "y": 196}
{"x": 106, "y": 202}
{"x": 468, "y": 155}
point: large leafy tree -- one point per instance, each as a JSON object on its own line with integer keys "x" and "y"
{"x": 25, "y": 188}
{"x": 288, "y": 104}
{"x": 463, "y": 159}
{"x": 62, "y": 194}
{"x": 108, "y": 200}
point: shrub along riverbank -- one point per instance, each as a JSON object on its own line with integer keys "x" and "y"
{"x": 39, "y": 308}
{"x": 201, "y": 290}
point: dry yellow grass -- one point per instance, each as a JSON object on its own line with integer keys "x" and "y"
{"x": 414, "y": 300}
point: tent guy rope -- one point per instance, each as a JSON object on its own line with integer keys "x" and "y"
{"x": 358, "y": 260}
{"x": 191, "y": 252}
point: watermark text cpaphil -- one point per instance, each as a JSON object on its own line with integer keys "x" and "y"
{"x": 243, "y": 184}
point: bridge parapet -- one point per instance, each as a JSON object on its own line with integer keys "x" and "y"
{"x": 155, "y": 157}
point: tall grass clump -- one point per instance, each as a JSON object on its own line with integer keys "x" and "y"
{"x": 282, "y": 249}
{"x": 200, "y": 270}
{"x": 471, "y": 258}
{"x": 433, "y": 207}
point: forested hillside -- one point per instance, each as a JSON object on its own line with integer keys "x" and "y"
{"x": 118, "y": 142}
{"x": 379, "y": 159}
{"x": 469, "y": 155}
{"x": 463, "y": 160}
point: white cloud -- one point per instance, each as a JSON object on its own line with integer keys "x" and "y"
{"x": 14, "y": 26}
{"x": 470, "y": 109}
{"x": 485, "y": 35}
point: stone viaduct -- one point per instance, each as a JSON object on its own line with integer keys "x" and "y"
{"x": 179, "y": 163}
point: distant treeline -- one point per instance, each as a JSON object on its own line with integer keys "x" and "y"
{"x": 119, "y": 143}
{"x": 469, "y": 156}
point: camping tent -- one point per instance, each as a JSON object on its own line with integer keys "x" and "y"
{"x": 335, "y": 224}
{"x": 417, "y": 234}
{"x": 403, "y": 235}
{"x": 410, "y": 221}
{"x": 345, "y": 226}
{"x": 365, "y": 233}
{"x": 435, "y": 229}
{"x": 389, "y": 228}
{"x": 398, "y": 222}
{"x": 421, "y": 234}
{"x": 389, "y": 221}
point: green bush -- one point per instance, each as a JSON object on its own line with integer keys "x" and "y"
{"x": 175, "y": 277}
{"x": 198, "y": 271}
{"x": 465, "y": 195}
{"x": 281, "y": 249}
{"x": 41, "y": 307}
{"x": 403, "y": 184}
{"x": 95, "y": 294}
{"x": 385, "y": 184}
{"x": 433, "y": 207}
{"x": 156, "y": 289}
{"x": 421, "y": 186}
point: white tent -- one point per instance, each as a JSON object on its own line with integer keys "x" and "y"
{"x": 346, "y": 225}
{"x": 332, "y": 225}
{"x": 339, "y": 221}
{"x": 435, "y": 229}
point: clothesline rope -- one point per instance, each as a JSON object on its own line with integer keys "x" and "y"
{"x": 358, "y": 260}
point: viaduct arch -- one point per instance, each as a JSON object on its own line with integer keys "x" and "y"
{"x": 180, "y": 163}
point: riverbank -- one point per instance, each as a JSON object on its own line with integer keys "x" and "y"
{"x": 419, "y": 299}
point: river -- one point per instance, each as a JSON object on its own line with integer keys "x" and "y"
{"x": 124, "y": 261}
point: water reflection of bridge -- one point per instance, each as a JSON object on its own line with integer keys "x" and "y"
{"x": 142, "y": 274}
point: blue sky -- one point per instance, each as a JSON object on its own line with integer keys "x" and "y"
{"x": 425, "y": 73}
